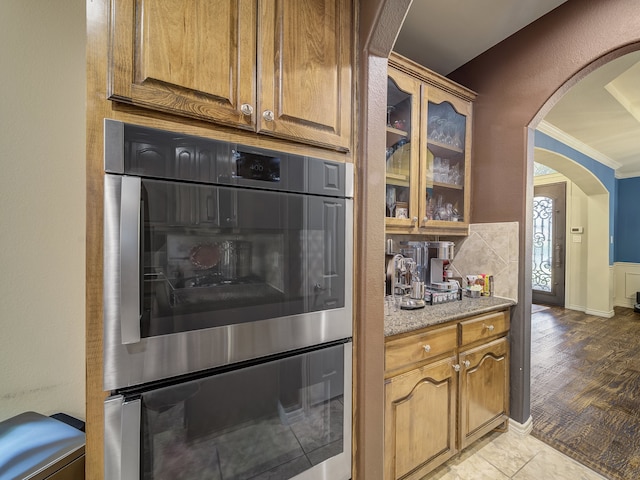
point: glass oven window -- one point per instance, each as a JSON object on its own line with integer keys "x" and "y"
{"x": 214, "y": 256}
{"x": 272, "y": 420}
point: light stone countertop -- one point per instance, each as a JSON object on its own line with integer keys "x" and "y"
{"x": 402, "y": 321}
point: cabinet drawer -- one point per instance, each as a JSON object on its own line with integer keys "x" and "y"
{"x": 406, "y": 351}
{"x": 483, "y": 326}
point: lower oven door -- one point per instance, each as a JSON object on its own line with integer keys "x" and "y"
{"x": 288, "y": 418}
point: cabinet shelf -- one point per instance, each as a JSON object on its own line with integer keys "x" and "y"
{"x": 451, "y": 186}
{"x": 398, "y": 179}
{"x": 397, "y": 131}
{"x": 443, "y": 149}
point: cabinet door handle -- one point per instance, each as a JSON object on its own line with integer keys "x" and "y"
{"x": 414, "y": 220}
{"x": 268, "y": 115}
{"x": 466, "y": 363}
{"x": 490, "y": 327}
{"x": 456, "y": 367}
{"x": 246, "y": 109}
{"x": 426, "y": 348}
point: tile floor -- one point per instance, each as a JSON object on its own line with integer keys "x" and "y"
{"x": 502, "y": 456}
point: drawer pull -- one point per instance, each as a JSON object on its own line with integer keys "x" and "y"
{"x": 490, "y": 327}
{"x": 456, "y": 367}
{"x": 466, "y": 363}
{"x": 427, "y": 348}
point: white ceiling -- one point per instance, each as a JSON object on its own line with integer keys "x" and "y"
{"x": 445, "y": 34}
{"x": 601, "y": 113}
{"x": 600, "y": 116}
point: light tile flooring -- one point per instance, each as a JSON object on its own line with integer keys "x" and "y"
{"x": 502, "y": 456}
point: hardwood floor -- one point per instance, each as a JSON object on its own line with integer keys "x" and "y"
{"x": 585, "y": 387}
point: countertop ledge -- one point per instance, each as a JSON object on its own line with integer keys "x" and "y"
{"x": 403, "y": 321}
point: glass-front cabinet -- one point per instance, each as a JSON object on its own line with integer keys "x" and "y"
{"x": 427, "y": 188}
{"x": 445, "y": 177}
{"x": 402, "y": 150}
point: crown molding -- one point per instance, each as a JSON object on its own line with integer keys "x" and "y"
{"x": 563, "y": 137}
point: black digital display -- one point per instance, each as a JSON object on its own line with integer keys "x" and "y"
{"x": 253, "y": 166}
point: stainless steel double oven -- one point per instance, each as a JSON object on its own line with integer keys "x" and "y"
{"x": 227, "y": 310}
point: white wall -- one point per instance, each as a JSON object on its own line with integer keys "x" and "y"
{"x": 42, "y": 207}
{"x": 626, "y": 283}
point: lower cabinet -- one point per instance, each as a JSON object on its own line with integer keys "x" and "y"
{"x": 484, "y": 389}
{"x": 451, "y": 393}
{"x": 420, "y": 420}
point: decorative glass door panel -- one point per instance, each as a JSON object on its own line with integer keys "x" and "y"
{"x": 547, "y": 269}
{"x": 445, "y": 176}
{"x": 402, "y": 142}
{"x": 542, "y": 243}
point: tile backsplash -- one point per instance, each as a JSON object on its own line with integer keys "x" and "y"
{"x": 490, "y": 248}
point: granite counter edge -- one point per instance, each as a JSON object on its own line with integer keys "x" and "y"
{"x": 405, "y": 321}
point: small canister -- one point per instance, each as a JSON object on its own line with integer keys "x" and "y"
{"x": 417, "y": 290}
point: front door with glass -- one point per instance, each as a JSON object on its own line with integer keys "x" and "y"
{"x": 548, "y": 267}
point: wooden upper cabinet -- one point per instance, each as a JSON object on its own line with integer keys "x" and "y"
{"x": 279, "y": 67}
{"x": 304, "y": 70}
{"x": 194, "y": 58}
{"x": 437, "y": 191}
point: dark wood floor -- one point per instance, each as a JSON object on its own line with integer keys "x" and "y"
{"x": 585, "y": 387}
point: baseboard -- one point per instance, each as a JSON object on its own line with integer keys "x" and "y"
{"x": 578, "y": 308}
{"x": 625, "y": 302}
{"x": 600, "y": 313}
{"x": 521, "y": 428}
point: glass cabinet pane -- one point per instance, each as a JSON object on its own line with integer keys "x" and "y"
{"x": 445, "y": 173}
{"x": 398, "y": 152}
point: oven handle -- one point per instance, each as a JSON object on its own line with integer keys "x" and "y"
{"x": 130, "y": 260}
{"x": 131, "y": 439}
{"x": 122, "y": 438}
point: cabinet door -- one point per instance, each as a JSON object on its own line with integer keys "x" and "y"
{"x": 402, "y": 152}
{"x": 445, "y": 177}
{"x": 304, "y": 71}
{"x": 193, "y": 58}
{"x": 484, "y": 389}
{"x": 420, "y": 417}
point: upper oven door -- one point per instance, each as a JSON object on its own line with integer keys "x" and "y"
{"x": 197, "y": 275}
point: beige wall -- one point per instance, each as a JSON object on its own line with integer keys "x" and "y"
{"x": 42, "y": 207}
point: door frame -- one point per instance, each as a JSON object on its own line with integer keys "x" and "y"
{"x": 558, "y": 192}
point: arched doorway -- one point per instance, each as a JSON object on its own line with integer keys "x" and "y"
{"x": 587, "y": 251}
{"x": 518, "y": 81}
